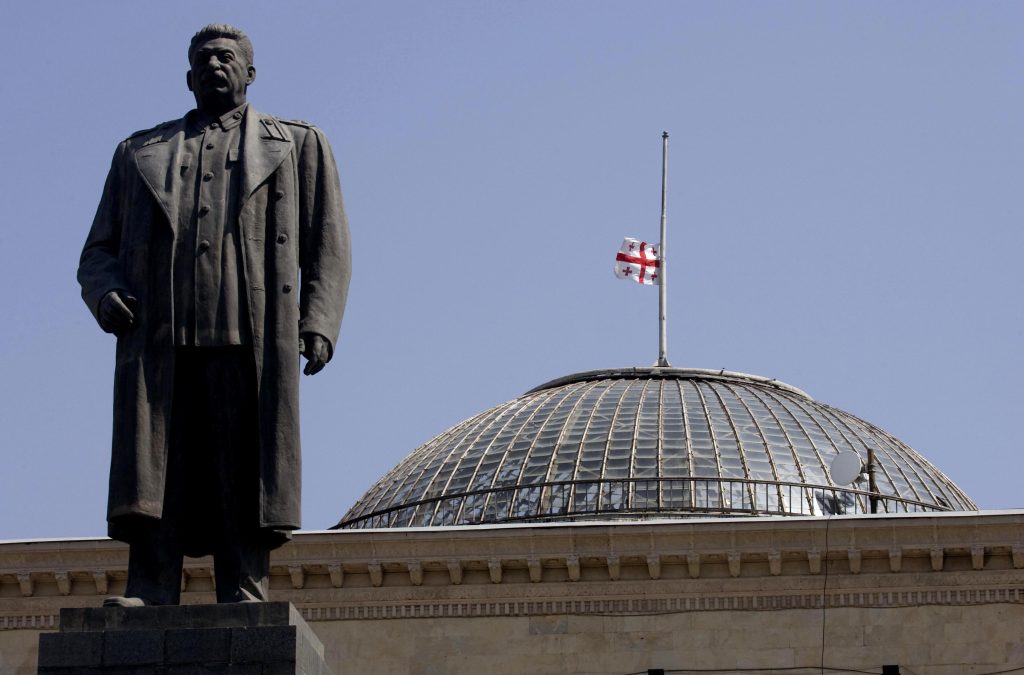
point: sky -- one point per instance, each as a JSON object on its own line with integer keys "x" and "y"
{"x": 844, "y": 215}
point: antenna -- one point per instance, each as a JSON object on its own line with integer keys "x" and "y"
{"x": 845, "y": 468}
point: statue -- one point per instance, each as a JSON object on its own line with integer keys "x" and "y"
{"x": 219, "y": 253}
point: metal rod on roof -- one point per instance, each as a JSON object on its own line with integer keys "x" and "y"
{"x": 663, "y": 287}
{"x": 872, "y": 484}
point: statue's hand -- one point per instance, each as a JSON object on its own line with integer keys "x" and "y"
{"x": 116, "y": 315}
{"x": 317, "y": 351}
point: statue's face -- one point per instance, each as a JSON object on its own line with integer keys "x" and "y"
{"x": 220, "y": 72}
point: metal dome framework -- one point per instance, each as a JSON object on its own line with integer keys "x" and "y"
{"x": 649, "y": 442}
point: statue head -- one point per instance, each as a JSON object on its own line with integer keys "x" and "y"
{"x": 220, "y": 67}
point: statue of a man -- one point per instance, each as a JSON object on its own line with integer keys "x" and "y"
{"x": 219, "y": 252}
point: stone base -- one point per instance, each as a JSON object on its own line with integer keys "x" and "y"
{"x": 234, "y": 639}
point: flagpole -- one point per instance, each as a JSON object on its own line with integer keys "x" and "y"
{"x": 663, "y": 287}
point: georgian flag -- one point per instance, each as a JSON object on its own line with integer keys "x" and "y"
{"x": 639, "y": 261}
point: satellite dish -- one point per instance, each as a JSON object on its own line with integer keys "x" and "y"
{"x": 845, "y": 468}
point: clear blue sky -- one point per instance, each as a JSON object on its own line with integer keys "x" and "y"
{"x": 845, "y": 214}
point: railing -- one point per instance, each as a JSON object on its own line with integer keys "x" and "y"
{"x": 634, "y": 498}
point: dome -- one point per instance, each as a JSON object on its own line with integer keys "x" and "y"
{"x": 650, "y": 442}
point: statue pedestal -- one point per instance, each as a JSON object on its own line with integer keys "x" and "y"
{"x": 234, "y": 639}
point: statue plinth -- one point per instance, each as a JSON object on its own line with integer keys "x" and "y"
{"x": 224, "y": 638}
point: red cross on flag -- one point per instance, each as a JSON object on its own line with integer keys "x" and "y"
{"x": 638, "y": 260}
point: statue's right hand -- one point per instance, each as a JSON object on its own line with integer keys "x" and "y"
{"x": 116, "y": 315}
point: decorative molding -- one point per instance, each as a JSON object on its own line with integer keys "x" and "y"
{"x": 31, "y": 621}
{"x": 882, "y": 561}
{"x": 535, "y": 569}
{"x": 814, "y": 561}
{"x": 612, "y": 606}
{"x": 572, "y": 565}
{"x": 855, "y": 558}
{"x": 654, "y": 565}
{"x": 297, "y": 575}
{"x": 337, "y": 574}
{"x": 494, "y": 570}
{"x": 63, "y": 580}
{"x": 775, "y": 562}
{"x": 618, "y": 567}
{"x": 191, "y": 574}
{"x": 693, "y": 564}
{"x": 455, "y": 571}
{"x": 99, "y": 578}
{"x": 937, "y": 558}
{"x": 376, "y": 573}
{"x": 978, "y": 557}
{"x": 654, "y": 605}
{"x": 614, "y": 566}
{"x": 415, "y": 572}
{"x": 735, "y": 559}
{"x": 895, "y": 559}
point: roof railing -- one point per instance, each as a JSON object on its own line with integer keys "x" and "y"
{"x": 633, "y": 498}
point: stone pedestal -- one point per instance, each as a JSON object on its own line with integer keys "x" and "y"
{"x": 233, "y": 639}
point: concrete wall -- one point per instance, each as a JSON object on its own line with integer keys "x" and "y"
{"x": 932, "y": 640}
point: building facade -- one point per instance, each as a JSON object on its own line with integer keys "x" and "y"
{"x": 936, "y": 594}
{"x": 624, "y": 521}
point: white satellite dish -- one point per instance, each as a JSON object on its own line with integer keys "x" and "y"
{"x": 845, "y": 468}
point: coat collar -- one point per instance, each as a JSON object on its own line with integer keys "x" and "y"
{"x": 200, "y": 121}
{"x": 265, "y": 145}
{"x": 160, "y": 157}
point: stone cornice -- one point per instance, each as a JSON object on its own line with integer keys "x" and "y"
{"x": 599, "y": 568}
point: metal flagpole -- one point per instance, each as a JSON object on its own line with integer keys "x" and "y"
{"x": 663, "y": 287}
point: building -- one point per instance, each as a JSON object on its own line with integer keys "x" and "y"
{"x": 624, "y": 521}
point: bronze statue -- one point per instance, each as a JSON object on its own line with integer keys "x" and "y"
{"x": 219, "y": 252}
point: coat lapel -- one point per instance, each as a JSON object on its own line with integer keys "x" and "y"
{"x": 264, "y": 147}
{"x": 159, "y": 161}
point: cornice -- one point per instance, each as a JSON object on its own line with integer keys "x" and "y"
{"x": 614, "y": 568}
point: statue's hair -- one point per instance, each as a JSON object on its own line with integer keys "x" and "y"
{"x": 216, "y": 30}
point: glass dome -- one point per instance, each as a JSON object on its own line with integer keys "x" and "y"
{"x": 650, "y": 442}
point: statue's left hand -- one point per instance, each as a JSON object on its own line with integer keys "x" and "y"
{"x": 317, "y": 351}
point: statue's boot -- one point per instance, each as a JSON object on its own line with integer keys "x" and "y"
{"x": 121, "y": 601}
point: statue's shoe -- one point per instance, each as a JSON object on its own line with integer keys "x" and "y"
{"x": 119, "y": 601}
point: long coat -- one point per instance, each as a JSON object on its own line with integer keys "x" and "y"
{"x": 296, "y": 264}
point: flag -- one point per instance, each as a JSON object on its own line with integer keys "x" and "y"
{"x": 639, "y": 261}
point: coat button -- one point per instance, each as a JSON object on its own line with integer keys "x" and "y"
{"x": 208, "y": 176}
{"x": 203, "y": 210}
{"x": 209, "y": 146}
{"x": 287, "y": 288}
{"x": 279, "y": 194}
{"x": 237, "y": 115}
{"x": 204, "y": 245}
{"x": 282, "y": 238}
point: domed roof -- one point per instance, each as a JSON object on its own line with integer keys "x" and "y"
{"x": 650, "y": 442}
